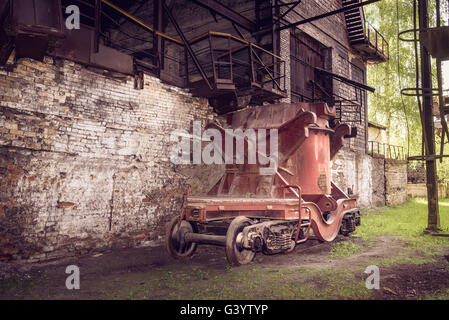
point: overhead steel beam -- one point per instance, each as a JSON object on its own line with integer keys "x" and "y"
{"x": 292, "y": 7}
{"x": 287, "y": 4}
{"x": 344, "y": 79}
{"x": 140, "y": 22}
{"x": 228, "y": 13}
{"x": 328, "y": 14}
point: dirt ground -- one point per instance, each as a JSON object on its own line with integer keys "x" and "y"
{"x": 312, "y": 271}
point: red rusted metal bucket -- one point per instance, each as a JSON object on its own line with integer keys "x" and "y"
{"x": 274, "y": 213}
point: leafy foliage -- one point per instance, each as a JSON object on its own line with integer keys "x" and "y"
{"x": 387, "y": 106}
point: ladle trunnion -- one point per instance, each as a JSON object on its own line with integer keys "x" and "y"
{"x": 249, "y": 212}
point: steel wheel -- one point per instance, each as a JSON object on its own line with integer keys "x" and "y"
{"x": 176, "y": 245}
{"x": 237, "y": 256}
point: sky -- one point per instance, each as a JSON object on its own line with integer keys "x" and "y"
{"x": 446, "y": 74}
{"x": 445, "y": 15}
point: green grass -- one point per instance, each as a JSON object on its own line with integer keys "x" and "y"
{"x": 401, "y": 259}
{"x": 345, "y": 249}
{"x": 21, "y": 287}
{"x": 438, "y": 295}
{"x": 345, "y": 281}
{"x": 407, "y": 222}
{"x": 250, "y": 282}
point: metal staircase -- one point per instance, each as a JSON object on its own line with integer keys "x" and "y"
{"x": 354, "y": 22}
{"x": 238, "y": 70}
{"x": 229, "y": 70}
{"x": 363, "y": 37}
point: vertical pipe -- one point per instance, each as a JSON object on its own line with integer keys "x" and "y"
{"x": 157, "y": 40}
{"x": 258, "y": 19}
{"x": 186, "y": 66}
{"x": 275, "y": 37}
{"x": 444, "y": 125}
{"x": 438, "y": 13}
{"x": 212, "y": 56}
{"x": 429, "y": 132}
{"x": 97, "y": 25}
{"x": 230, "y": 58}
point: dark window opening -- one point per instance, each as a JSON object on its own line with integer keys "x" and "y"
{"x": 306, "y": 54}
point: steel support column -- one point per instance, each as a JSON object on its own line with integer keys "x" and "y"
{"x": 429, "y": 130}
{"x": 158, "y": 45}
{"x": 97, "y": 30}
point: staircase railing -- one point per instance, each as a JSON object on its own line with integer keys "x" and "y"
{"x": 386, "y": 150}
{"x": 225, "y": 58}
{"x": 376, "y": 39}
{"x": 373, "y": 36}
{"x": 236, "y": 60}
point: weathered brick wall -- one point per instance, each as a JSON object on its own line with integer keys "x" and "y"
{"x": 395, "y": 182}
{"x": 376, "y": 181}
{"x": 363, "y": 175}
{"x": 419, "y": 190}
{"x": 378, "y": 192}
{"x": 84, "y": 159}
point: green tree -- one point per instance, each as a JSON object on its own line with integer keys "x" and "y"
{"x": 387, "y": 106}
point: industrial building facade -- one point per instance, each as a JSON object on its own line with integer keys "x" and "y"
{"x": 87, "y": 114}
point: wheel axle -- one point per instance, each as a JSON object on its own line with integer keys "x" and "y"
{"x": 192, "y": 237}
